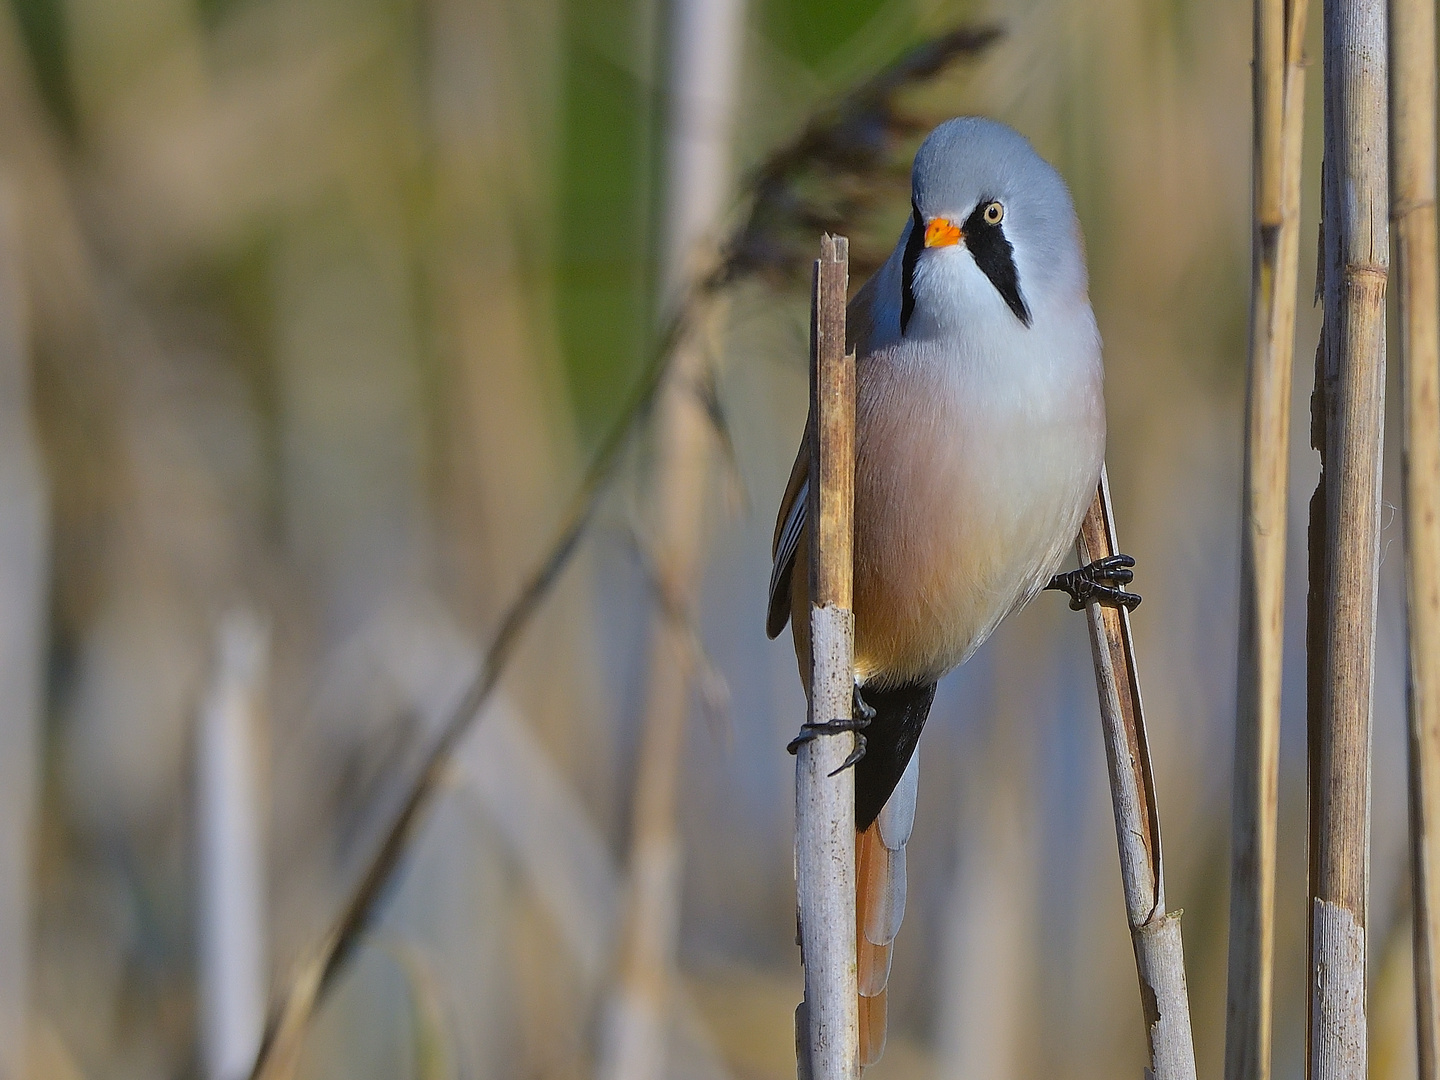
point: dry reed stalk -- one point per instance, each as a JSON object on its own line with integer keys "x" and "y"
{"x": 704, "y": 63}
{"x": 1154, "y": 932}
{"x": 234, "y": 943}
{"x": 1345, "y": 539}
{"x": 1412, "y": 187}
{"x": 1279, "y": 109}
{"x": 824, "y": 795}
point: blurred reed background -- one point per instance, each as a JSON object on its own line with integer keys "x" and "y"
{"x": 311, "y": 314}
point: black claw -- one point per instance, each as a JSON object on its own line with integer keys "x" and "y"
{"x": 860, "y": 707}
{"x": 1110, "y": 562}
{"x": 1128, "y": 600}
{"x": 1099, "y": 580}
{"x": 810, "y": 731}
{"x": 861, "y": 715}
{"x": 1113, "y": 568}
{"x": 855, "y": 755}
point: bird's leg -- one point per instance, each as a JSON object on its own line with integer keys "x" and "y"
{"x": 859, "y": 706}
{"x": 1099, "y": 580}
{"x": 861, "y": 716}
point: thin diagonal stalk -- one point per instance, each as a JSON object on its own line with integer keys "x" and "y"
{"x": 1412, "y": 190}
{"x": 1279, "y": 107}
{"x": 291, "y": 1016}
{"x": 1154, "y": 932}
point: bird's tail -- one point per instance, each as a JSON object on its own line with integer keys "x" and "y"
{"x": 880, "y": 907}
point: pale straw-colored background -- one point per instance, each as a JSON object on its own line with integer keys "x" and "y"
{"x": 311, "y": 313}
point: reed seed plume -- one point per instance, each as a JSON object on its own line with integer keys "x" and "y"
{"x": 846, "y": 164}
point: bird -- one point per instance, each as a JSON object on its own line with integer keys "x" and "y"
{"x": 979, "y": 443}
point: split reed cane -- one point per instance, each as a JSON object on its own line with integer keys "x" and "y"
{"x": 1154, "y": 932}
{"x": 1412, "y": 211}
{"x": 1279, "y": 108}
{"x": 1348, "y": 422}
{"x": 828, "y": 1022}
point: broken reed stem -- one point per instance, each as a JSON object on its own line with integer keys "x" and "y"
{"x": 1349, "y": 421}
{"x": 1412, "y": 186}
{"x": 1154, "y": 932}
{"x": 233, "y": 939}
{"x": 825, "y": 803}
{"x": 1279, "y": 108}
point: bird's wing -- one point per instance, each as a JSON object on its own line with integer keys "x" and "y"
{"x": 880, "y": 905}
{"x": 789, "y": 527}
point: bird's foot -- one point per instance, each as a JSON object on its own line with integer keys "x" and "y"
{"x": 859, "y": 706}
{"x": 1099, "y": 581}
{"x": 862, "y": 715}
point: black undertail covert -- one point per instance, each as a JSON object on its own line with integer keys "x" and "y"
{"x": 889, "y": 743}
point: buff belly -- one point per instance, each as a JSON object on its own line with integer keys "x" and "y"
{"x": 960, "y": 522}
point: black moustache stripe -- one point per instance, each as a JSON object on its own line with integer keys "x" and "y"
{"x": 913, "y": 246}
{"x": 989, "y": 247}
{"x": 992, "y": 252}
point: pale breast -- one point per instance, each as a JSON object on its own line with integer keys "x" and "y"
{"x": 971, "y": 479}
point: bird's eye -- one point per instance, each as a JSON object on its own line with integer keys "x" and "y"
{"x": 994, "y": 213}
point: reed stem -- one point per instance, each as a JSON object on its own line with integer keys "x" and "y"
{"x": 824, "y": 796}
{"x": 24, "y": 583}
{"x": 233, "y": 942}
{"x": 1412, "y": 188}
{"x": 1154, "y": 932}
{"x": 1279, "y": 107}
{"x": 705, "y": 62}
{"x": 1349, "y": 422}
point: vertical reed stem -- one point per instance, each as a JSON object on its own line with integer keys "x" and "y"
{"x": 825, "y": 803}
{"x": 1350, "y": 428}
{"x": 704, "y": 60}
{"x": 24, "y": 583}
{"x": 1154, "y": 932}
{"x": 1279, "y": 107}
{"x": 1412, "y": 186}
{"x": 233, "y": 945}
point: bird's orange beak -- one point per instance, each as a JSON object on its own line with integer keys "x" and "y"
{"x": 942, "y": 232}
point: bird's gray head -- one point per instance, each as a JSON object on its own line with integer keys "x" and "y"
{"x": 992, "y": 223}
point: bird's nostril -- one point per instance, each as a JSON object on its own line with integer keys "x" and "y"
{"x": 942, "y": 232}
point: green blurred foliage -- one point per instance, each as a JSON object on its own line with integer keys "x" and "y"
{"x": 604, "y": 258}
{"x": 42, "y": 23}
{"x": 811, "y": 31}
{"x": 609, "y": 190}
